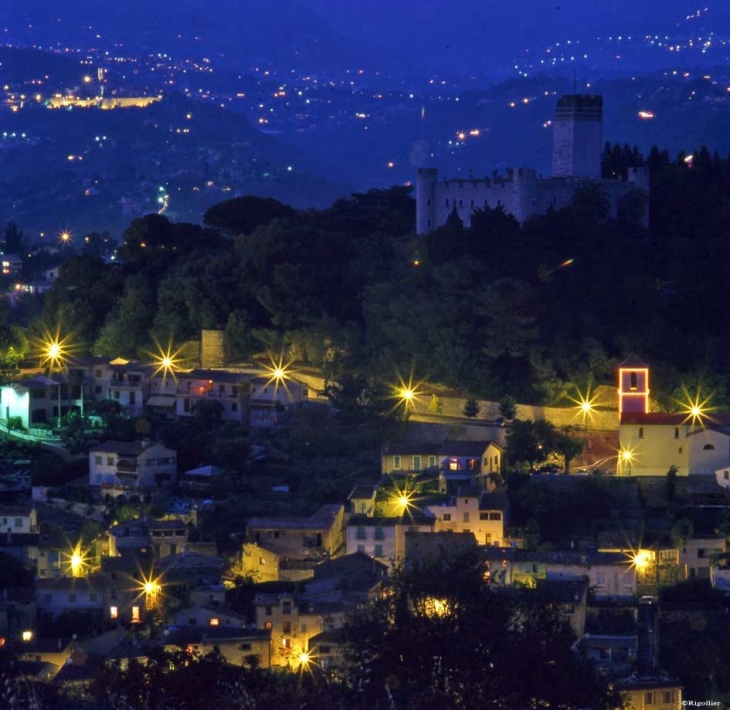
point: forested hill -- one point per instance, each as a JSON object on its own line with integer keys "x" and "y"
{"x": 497, "y": 309}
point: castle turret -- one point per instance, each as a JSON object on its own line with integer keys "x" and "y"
{"x": 578, "y": 136}
{"x": 426, "y": 181}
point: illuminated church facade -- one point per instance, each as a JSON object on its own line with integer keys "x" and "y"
{"x": 697, "y": 443}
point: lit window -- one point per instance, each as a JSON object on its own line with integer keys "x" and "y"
{"x": 135, "y": 615}
{"x": 268, "y": 625}
{"x": 114, "y": 612}
{"x": 27, "y": 635}
{"x": 214, "y": 622}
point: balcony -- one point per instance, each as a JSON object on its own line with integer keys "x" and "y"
{"x": 125, "y": 385}
{"x": 127, "y": 467}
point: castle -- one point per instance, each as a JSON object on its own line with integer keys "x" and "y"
{"x": 577, "y": 148}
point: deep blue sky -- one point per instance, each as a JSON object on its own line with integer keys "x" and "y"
{"x": 415, "y": 35}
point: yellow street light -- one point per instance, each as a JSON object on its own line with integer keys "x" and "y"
{"x": 304, "y": 658}
{"x": 166, "y": 361}
{"x": 279, "y": 372}
{"x": 65, "y": 236}
{"x": 695, "y": 409}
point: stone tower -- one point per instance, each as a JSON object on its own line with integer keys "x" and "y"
{"x": 426, "y": 181}
{"x": 633, "y": 386}
{"x": 578, "y": 136}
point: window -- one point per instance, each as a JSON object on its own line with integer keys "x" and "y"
{"x": 701, "y": 553}
{"x": 466, "y": 517}
{"x": 708, "y": 447}
{"x": 431, "y": 461}
{"x": 245, "y": 647}
{"x": 676, "y": 432}
{"x": 495, "y": 516}
{"x": 98, "y": 460}
{"x": 234, "y": 390}
{"x": 18, "y": 522}
{"x": 268, "y": 626}
{"x": 192, "y": 621}
{"x": 633, "y": 381}
{"x": 396, "y": 462}
{"x": 186, "y": 405}
{"x": 286, "y": 643}
{"x": 649, "y": 698}
{"x": 286, "y": 608}
{"x": 133, "y": 398}
{"x": 234, "y": 407}
{"x": 268, "y": 611}
{"x": 483, "y": 516}
{"x": 215, "y": 622}
{"x": 304, "y": 628}
{"x": 361, "y": 534}
{"x": 286, "y": 627}
{"x": 325, "y": 649}
{"x": 97, "y": 373}
{"x": 378, "y": 551}
{"x": 667, "y": 696}
{"x": 135, "y": 615}
{"x": 447, "y": 517}
{"x": 379, "y": 533}
{"x": 488, "y": 538}
{"x": 681, "y": 450}
{"x": 361, "y": 548}
{"x": 109, "y": 460}
{"x": 641, "y": 432}
{"x": 114, "y": 612}
{"x": 416, "y": 463}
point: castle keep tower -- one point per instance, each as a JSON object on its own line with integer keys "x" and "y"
{"x": 578, "y": 136}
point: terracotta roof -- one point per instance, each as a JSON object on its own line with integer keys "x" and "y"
{"x": 674, "y": 419}
{"x": 633, "y": 360}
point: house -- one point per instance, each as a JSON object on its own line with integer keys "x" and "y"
{"x": 12, "y": 265}
{"x": 263, "y": 562}
{"x": 17, "y": 610}
{"x": 696, "y": 555}
{"x": 54, "y": 651}
{"x": 321, "y": 534}
{"x": 434, "y": 546}
{"x": 385, "y": 538}
{"x": 656, "y": 693}
{"x": 132, "y": 586}
{"x": 295, "y": 616}
{"x": 269, "y": 396}
{"x": 239, "y": 647}
{"x": 473, "y": 511}
{"x": 609, "y": 574}
{"x": 207, "y": 616}
{"x": 362, "y": 499}
{"x": 132, "y": 464}
{"x": 200, "y": 479}
{"x": 65, "y": 594}
{"x": 18, "y": 519}
{"x": 571, "y": 597}
{"x": 611, "y": 635}
{"x": 39, "y": 399}
{"x": 180, "y": 396}
{"x": 470, "y": 459}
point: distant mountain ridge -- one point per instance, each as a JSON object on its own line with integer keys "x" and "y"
{"x": 408, "y": 36}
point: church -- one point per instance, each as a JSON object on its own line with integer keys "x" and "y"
{"x": 577, "y": 149}
{"x": 696, "y": 442}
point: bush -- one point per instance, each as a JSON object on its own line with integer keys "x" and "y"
{"x": 15, "y": 424}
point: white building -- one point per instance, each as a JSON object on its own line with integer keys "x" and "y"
{"x": 132, "y": 464}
